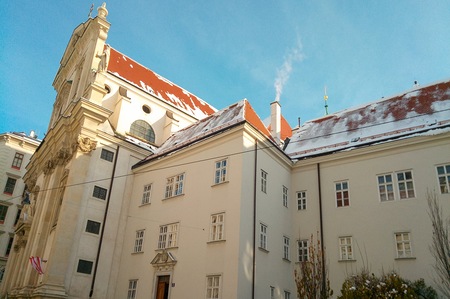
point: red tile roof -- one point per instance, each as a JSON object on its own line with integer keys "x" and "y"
{"x": 150, "y": 82}
{"x": 286, "y": 129}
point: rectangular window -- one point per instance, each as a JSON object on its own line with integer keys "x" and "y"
{"x": 168, "y": 236}
{"x": 146, "y": 194}
{"x": 93, "y": 227}
{"x": 99, "y": 192}
{"x": 403, "y": 244}
{"x": 17, "y": 161}
{"x": 287, "y": 295}
{"x": 84, "y": 266}
{"x": 9, "y": 187}
{"x": 263, "y": 236}
{"x": 301, "y": 200}
{"x": 132, "y": 288}
{"x": 443, "y": 173}
{"x": 405, "y": 184}
{"x": 10, "y": 243}
{"x": 342, "y": 197}
{"x": 303, "y": 250}
{"x": 17, "y": 216}
{"x": 385, "y": 187}
{"x": 107, "y": 155}
{"x": 174, "y": 185}
{"x": 263, "y": 181}
{"x": 285, "y": 196}
{"x": 220, "y": 175}
{"x": 217, "y": 227}
{"x": 345, "y": 248}
{"x": 3, "y": 212}
{"x": 139, "y": 241}
{"x": 286, "y": 248}
{"x": 272, "y": 292}
{"x": 213, "y": 287}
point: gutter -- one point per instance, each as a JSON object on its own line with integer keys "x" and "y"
{"x": 94, "y": 275}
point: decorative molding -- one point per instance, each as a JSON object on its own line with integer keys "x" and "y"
{"x": 49, "y": 166}
{"x": 63, "y": 156}
{"x": 85, "y": 144}
{"x": 164, "y": 261}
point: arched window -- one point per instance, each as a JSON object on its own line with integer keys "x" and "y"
{"x": 142, "y": 130}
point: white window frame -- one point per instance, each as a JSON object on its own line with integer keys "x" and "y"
{"x": 18, "y": 160}
{"x": 262, "y": 236}
{"x": 168, "y": 235}
{"x": 175, "y": 185}
{"x": 286, "y": 248}
{"x": 214, "y": 286}
{"x": 346, "y": 248}
{"x": 301, "y": 200}
{"x": 287, "y": 295}
{"x": 263, "y": 181}
{"x": 386, "y": 187}
{"x": 132, "y": 288}
{"x": 403, "y": 245}
{"x": 139, "y": 241}
{"x": 303, "y": 250}
{"x": 443, "y": 174}
{"x": 221, "y": 171}
{"x": 146, "y": 194}
{"x": 285, "y": 196}
{"x": 398, "y": 185}
{"x": 406, "y": 184}
{"x": 342, "y": 194}
{"x": 217, "y": 228}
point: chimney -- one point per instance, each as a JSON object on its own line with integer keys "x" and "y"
{"x": 275, "y": 121}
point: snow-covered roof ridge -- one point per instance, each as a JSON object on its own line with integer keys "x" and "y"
{"x": 145, "y": 79}
{"x": 413, "y": 111}
{"x": 226, "y": 118}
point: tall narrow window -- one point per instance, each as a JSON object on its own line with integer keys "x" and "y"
{"x": 301, "y": 200}
{"x": 10, "y": 243}
{"x": 286, "y": 248}
{"x": 443, "y": 173}
{"x": 107, "y": 155}
{"x": 132, "y": 288}
{"x": 405, "y": 184}
{"x": 10, "y": 185}
{"x": 287, "y": 295}
{"x": 213, "y": 283}
{"x": 146, "y": 194}
{"x": 168, "y": 236}
{"x": 17, "y": 162}
{"x": 272, "y": 292}
{"x": 143, "y": 130}
{"x": 385, "y": 187}
{"x": 285, "y": 196}
{"x": 263, "y": 181}
{"x": 217, "y": 227}
{"x": 302, "y": 250}
{"x": 174, "y": 185}
{"x": 3, "y": 212}
{"x": 263, "y": 236}
{"x": 345, "y": 248}
{"x": 99, "y": 192}
{"x": 139, "y": 241}
{"x": 221, "y": 171}
{"x": 342, "y": 197}
{"x": 403, "y": 244}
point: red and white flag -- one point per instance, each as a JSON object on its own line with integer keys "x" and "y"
{"x": 36, "y": 263}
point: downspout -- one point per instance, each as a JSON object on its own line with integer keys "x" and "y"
{"x": 322, "y": 246}
{"x": 254, "y": 219}
{"x": 91, "y": 292}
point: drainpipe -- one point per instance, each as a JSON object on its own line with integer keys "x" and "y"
{"x": 322, "y": 246}
{"x": 94, "y": 275}
{"x": 254, "y": 219}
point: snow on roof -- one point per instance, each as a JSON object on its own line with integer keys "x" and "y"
{"x": 235, "y": 114}
{"x": 150, "y": 82}
{"x": 418, "y": 110}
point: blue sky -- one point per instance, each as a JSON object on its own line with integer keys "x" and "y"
{"x": 224, "y": 51}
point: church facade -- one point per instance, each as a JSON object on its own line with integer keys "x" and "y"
{"x": 142, "y": 190}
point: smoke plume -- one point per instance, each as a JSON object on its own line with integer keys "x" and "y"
{"x": 285, "y": 70}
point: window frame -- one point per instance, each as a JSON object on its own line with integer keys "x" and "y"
{"x": 404, "y": 182}
{"x": 107, "y": 155}
{"x": 301, "y": 200}
{"x": 286, "y": 248}
{"x": 132, "y": 288}
{"x": 217, "y": 229}
{"x": 221, "y": 171}
{"x": 84, "y": 263}
{"x": 346, "y": 248}
{"x": 10, "y": 185}
{"x": 385, "y": 187}
{"x": 302, "y": 250}
{"x": 443, "y": 178}
{"x": 264, "y": 181}
{"x": 17, "y": 160}
{"x": 139, "y": 241}
{"x": 3, "y": 213}
{"x": 213, "y": 283}
{"x": 168, "y": 236}
{"x": 263, "y": 236}
{"x": 93, "y": 225}
{"x": 403, "y": 252}
{"x": 142, "y": 130}
{"x": 174, "y": 185}
{"x": 147, "y": 194}
{"x": 342, "y": 194}
{"x": 99, "y": 192}
{"x": 285, "y": 196}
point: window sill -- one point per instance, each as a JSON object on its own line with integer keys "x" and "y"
{"x": 263, "y": 249}
{"x": 218, "y": 184}
{"x": 165, "y": 249}
{"x": 145, "y": 204}
{"x": 405, "y": 258}
{"x": 216, "y": 241}
{"x": 139, "y": 252}
{"x": 286, "y": 260}
{"x": 347, "y": 261}
{"x": 174, "y": 196}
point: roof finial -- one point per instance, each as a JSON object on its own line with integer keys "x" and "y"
{"x": 90, "y": 11}
{"x": 102, "y": 11}
{"x": 325, "y": 97}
